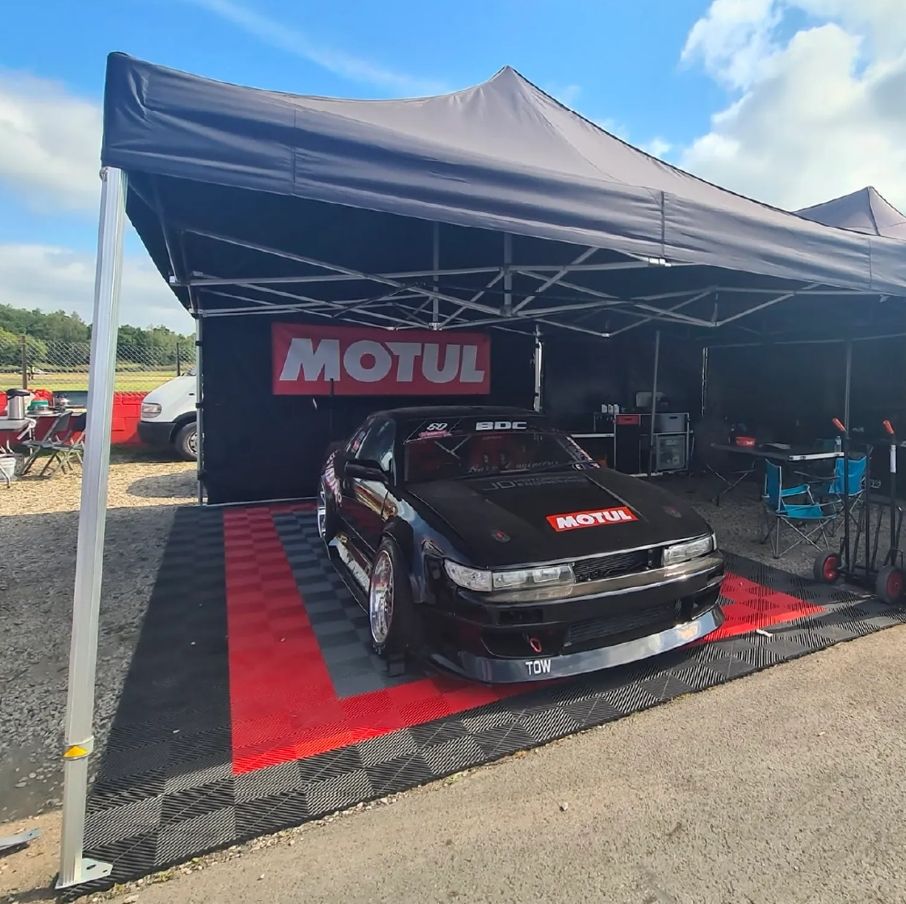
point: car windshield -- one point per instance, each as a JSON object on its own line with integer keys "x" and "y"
{"x": 461, "y": 455}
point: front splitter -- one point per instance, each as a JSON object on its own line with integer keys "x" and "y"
{"x": 512, "y": 671}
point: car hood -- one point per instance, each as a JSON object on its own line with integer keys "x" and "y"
{"x": 503, "y": 520}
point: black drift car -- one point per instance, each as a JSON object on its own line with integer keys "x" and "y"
{"x": 488, "y": 542}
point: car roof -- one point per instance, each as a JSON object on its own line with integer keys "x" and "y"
{"x": 424, "y": 412}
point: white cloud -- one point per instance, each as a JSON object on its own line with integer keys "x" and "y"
{"x": 882, "y": 21}
{"x": 284, "y": 37}
{"x": 733, "y": 39}
{"x": 814, "y": 114}
{"x": 50, "y": 149}
{"x": 657, "y": 147}
{"x": 50, "y": 158}
{"x": 566, "y": 94}
{"x": 52, "y": 278}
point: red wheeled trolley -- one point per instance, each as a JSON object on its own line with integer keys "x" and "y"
{"x": 888, "y": 580}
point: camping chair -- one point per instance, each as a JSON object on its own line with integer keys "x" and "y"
{"x": 806, "y": 518}
{"x": 830, "y": 489}
{"x": 833, "y": 490}
{"x": 68, "y": 447}
{"x": 57, "y": 431}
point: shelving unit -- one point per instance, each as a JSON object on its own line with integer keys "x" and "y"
{"x": 623, "y": 441}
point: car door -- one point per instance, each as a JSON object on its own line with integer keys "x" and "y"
{"x": 364, "y": 499}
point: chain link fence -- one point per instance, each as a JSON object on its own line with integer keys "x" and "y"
{"x": 62, "y": 367}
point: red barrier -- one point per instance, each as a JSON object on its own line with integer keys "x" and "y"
{"x": 127, "y": 411}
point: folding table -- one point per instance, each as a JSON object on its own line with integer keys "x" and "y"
{"x": 771, "y": 452}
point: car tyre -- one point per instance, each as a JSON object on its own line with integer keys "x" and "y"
{"x": 186, "y": 442}
{"x": 391, "y": 614}
{"x": 328, "y": 520}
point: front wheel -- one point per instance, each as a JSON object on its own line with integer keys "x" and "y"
{"x": 391, "y": 615}
{"x": 186, "y": 442}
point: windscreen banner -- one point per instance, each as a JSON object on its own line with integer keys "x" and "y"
{"x": 316, "y": 360}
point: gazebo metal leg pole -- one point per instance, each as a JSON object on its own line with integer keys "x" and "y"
{"x": 507, "y": 274}
{"x": 705, "y": 363}
{"x": 435, "y": 261}
{"x": 79, "y": 741}
{"x": 657, "y": 355}
{"x": 847, "y": 386}
{"x": 199, "y": 409}
{"x": 539, "y": 365}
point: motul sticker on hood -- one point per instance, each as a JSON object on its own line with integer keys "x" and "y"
{"x": 621, "y": 514}
{"x": 323, "y": 360}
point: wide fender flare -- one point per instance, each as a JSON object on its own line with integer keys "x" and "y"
{"x": 401, "y": 533}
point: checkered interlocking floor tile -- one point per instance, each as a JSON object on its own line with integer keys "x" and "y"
{"x": 253, "y": 704}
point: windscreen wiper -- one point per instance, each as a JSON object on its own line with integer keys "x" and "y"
{"x": 553, "y": 466}
{"x": 577, "y": 465}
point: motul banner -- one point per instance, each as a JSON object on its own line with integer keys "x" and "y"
{"x": 362, "y": 361}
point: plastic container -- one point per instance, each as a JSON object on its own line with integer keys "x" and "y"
{"x": 16, "y": 402}
{"x": 7, "y": 468}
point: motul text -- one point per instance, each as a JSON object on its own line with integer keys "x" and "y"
{"x": 316, "y": 360}
{"x": 591, "y": 518}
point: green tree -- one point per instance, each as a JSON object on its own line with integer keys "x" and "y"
{"x": 11, "y": 351}
{"x": 61, "y": 340}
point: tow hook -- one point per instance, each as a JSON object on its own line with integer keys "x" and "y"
{"x": 535, "y": 644}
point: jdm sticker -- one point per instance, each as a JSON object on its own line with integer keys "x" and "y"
{"x": 621, "y": 514}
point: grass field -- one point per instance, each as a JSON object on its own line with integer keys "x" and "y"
{"x": 126, "y": 381}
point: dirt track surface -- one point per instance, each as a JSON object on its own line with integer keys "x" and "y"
{"x": 38, "y": 524}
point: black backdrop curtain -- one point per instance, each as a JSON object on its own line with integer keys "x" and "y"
{"x": 260, "y": 446}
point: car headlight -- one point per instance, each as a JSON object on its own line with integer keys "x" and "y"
{"x": 517, "y": 579}
{"x": 683, "y": 552}
{"x": 150, "y": 409}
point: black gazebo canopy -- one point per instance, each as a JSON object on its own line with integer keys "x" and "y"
{"x": 495, "y": 205}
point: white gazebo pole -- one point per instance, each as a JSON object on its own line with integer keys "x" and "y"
{"x": 79, "y": 741}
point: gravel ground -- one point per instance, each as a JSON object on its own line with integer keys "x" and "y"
{"x": 738, "y": 523}
{"x": 38, "y": 523}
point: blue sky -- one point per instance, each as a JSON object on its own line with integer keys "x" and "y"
{"x": 775, "y": 98}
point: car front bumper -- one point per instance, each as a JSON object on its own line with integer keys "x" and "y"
{"x": 617, "y": 621}
{"x": 155, "y": 433}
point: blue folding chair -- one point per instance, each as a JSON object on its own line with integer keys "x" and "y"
{"x": 832, "y": 491}
{"x": 806, "y": 518}
{"x": 856, "y": 478}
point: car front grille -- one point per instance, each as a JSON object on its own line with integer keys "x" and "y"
{"x": 632, "y": 623}
{"x": 613, "y": 565}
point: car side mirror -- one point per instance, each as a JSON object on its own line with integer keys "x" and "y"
{"x": 366, "y": 469}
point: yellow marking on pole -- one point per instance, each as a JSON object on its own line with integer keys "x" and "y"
{"x": 75, "y": 752}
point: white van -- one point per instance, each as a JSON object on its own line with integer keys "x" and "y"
{"x": 169, "y": 418}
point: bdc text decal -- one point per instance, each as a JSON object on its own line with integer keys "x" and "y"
{"x": 500, "y": 425}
